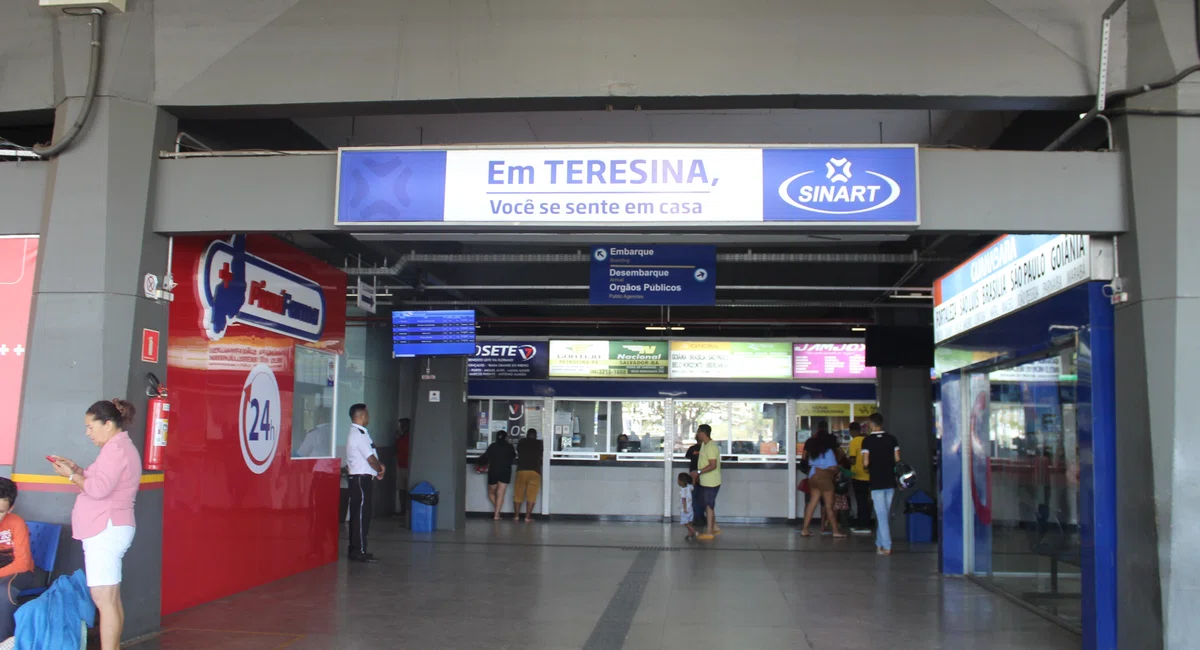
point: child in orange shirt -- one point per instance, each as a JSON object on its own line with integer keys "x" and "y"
{"x": 16, "y": 560}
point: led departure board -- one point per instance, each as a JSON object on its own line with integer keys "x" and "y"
{"x": 433, "y": 333}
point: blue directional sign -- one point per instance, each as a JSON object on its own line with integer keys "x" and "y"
{"x": 653, "y": 275}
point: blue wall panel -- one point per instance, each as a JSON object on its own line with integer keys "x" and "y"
{"x": 953, "y": 560}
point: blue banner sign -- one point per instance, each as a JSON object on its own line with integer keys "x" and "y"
{"x": 509, "y": 360}
{"x": 628, "y": 185}
{"x": 653, "y": 275}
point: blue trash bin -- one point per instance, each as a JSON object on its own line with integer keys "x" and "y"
{"x": 424, "y": 498}
{"x": 920, "y": 512}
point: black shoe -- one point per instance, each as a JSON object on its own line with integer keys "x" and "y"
{"x": 364, "y": 558}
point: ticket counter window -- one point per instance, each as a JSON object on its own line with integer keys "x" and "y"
{"x": 740, "y": 428}
{"x": 627, "y": 428}
{"x": 815, "y": 416}
{"x": 513, "y": 416}
{"x": 759, "y": 429}
{"x": 691, "y": 414}
{"x": 314, "y": 403}
{"x": 638, "y": 427}
{"x": 581, "y": 427}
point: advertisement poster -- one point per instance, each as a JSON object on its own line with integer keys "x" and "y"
{"x": 609, "y": 185}
{"x": 730, "y": 360}
{"x": 822, "y": 410}
{"x": 831, "y": 361}
{"x": 639, "y": 359}
{"x": 18, "y": 261}
{"x": 981, "y": 468}
{"x": 509, "y": 360}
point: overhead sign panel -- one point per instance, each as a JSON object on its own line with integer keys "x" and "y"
{"x": 730, "y": 360}
{"x": 1015, "y": 271}
{"x": 831, "y": 361}
{"x": 653, "y": 275}
{"x": 599, "y": 186}
{"x": 509, "y": 360}
{"x": 640, "y": 359}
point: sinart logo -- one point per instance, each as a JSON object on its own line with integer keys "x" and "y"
{"x": 237, "y": 287}
{"x": 841, "y": 192}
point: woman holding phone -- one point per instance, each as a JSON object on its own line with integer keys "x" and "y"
{"x": 103, "y": 515}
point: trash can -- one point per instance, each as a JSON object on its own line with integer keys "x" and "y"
{"x": 919, "y": 513}
{"x": 424, "y": 501}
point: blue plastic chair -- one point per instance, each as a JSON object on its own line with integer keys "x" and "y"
{"x": 43, "y": 545}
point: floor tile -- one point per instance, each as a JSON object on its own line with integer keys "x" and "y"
{"x": 546, "y": 587}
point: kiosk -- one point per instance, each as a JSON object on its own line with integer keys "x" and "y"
{"x": 1028, "y": 496}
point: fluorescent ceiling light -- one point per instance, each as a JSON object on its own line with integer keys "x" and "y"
{"x": 655, "y": 328}
{"x": 18, "y": 153}
{"x": 912, "y": 296}
{"x": 858, "y": 329}
{"x": 677, "y": 328}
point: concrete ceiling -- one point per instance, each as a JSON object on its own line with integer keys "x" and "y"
{"x": 549, "y": 298}
{"x": 974, "y": 129}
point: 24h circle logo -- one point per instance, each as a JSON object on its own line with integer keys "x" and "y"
{"x": 258, "y": 418}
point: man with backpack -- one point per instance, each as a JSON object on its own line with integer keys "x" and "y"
{"x": 880, "y": 453}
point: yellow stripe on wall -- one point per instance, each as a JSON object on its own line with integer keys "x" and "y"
{"x": 55, "y": 479}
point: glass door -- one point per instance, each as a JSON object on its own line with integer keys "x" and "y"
{"x": 314, "y": 403}
{"x": 1024, "y": 481}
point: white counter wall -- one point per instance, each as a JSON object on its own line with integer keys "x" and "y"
{"x": 638, "y": 492}
{"x": 624, "y": 491}
{"x": 748, "y": 493}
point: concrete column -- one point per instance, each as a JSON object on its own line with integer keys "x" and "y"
{"x": 906, "y": 402}
{"x": 439, "y": 446}
{"x": 88, "y": 307}
{"x": 1157, "y": 356}
{"x": 88, "y": 315}
{"x": 1159, "y": 361}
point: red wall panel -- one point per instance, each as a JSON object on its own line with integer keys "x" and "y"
{"x": 18, "y": 263}
{"x": 235, "y": 517}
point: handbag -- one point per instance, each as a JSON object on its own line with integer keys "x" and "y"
{"x": 842, "y": 458}
{"x": 481, "y": 464}
{"x": 841, "y": 483}
{"x": 803, "y": 485}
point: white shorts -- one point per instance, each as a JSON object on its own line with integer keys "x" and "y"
{"x": 102, "y": 555}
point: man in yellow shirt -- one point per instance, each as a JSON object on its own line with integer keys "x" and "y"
{"x": 861, "y": 481}
{"x": 709, "y": 467}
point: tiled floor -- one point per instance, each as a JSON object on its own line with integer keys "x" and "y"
{"x": 547, "y": 585}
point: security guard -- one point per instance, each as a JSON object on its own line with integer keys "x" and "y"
{"x": 364, "y": 467}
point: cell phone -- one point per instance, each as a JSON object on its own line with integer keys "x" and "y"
{"x": 51, "y": 459}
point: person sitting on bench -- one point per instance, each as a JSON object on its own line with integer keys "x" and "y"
{"x": 16, "y": 560}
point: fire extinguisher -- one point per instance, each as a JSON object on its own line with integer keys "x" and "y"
{"x": 158, "y": 410}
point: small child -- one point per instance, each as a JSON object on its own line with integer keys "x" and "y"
{"x": 685, "y": 505}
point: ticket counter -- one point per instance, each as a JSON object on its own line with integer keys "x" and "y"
{"x": 613, "y": 449}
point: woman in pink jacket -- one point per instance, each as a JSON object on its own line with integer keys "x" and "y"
{"x": 103, "y": 513}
